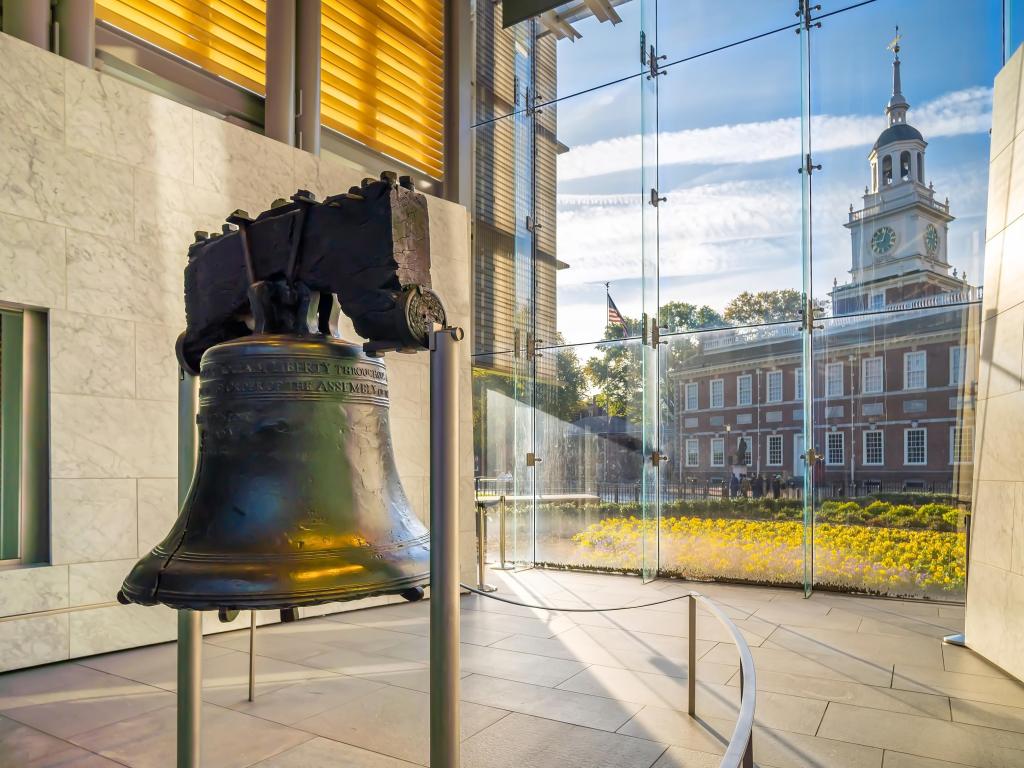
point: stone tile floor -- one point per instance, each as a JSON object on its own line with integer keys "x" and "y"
{"x": 843, "y": 682}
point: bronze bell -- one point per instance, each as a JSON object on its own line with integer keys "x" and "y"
{"x": 296, "y": 499}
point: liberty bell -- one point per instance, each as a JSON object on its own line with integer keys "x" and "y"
{"x": 296, "y": 498}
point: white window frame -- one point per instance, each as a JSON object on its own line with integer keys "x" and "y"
{"x": 719, "y": 401}
{"x": 741, "y": 380}
{"x": 687, "y": 390}
{"x": 881, "y": 447}
{"x": 828, "y": 449}
{"x": 694, "y": 443}
{"x": 798, "y": 384}
{"x": 718, "y": 451}
{"x": 872, "y": 304}
{"x": 915, "y": 355}
{"x": 864, "y": 375}
{"x": 957, "y": 368}
{"x": 906, "y": 447}
{"x": 955, "y": 456}
{"x": 777, "y": 447}
{"x": 773, "y": 376}
{"x": 829, "y": 368}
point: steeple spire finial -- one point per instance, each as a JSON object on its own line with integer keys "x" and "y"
{"x": 897, "y": 107}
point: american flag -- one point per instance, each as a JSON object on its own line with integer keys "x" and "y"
{"x": 614, "y": 316}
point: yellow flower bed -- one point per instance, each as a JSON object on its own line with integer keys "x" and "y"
{"x": 887, "y": 560}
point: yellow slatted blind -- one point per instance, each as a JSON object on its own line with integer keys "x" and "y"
{"x": 382, "y": 73}
{"x": 225, "y": 37}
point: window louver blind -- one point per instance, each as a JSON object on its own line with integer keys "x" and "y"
{"x": 225, "y": 37}
{"x": 382, "y": 73}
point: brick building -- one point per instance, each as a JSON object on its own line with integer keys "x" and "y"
{"x": 894, "y": 369}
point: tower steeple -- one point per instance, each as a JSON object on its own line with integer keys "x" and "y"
{"x": 897, "y": 107}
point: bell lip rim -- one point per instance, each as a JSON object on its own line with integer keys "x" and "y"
{"x": 268, "y": 601}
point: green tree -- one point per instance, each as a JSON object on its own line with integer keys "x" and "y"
{"x": 616, "y": 373}
{"x": 683, "y": 316}
{"x": 565, "y": 395}
{"x": 764, "y": 307}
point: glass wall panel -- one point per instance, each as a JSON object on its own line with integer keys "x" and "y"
{"x": 590, "y": 207}
{"x": 900, "y": 126}
{"x": 589, "y": 437}
{"x": 894, "y": 430}
{"x": 728, "y": 152}
{"x": 502, "y": 437}
{"x": 689, "y": 28}
{"x": 731, "y": 492}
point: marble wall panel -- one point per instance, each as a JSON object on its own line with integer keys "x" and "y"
{"x": 158, "y": 509}
{"x": 33, "y": 640}
{"x": 327, "y": 174}
{"x": 97, "y": 437}
{"x": 993, "y": 538}
{"x": 31, "y": 90}
{"x": 32, "y": 265}
{"x": 168, "y": 212}
{"x": 33, "y": 589}
{"x": 240, "y": 164}
{"x": 111, "y": 118}
{"x": 102, "y": 630}
{"x": 156, "y": 365}
{"x": 45, "y": 181}
{"x": 91, "y": 355}
{"x": 119, "y": 278}
{"x": 94, "y": 583}
{"x": 93, "y": 520}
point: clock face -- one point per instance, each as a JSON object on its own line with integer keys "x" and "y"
{"x": 884, "y": 240}
{"x": 931, "y": 240}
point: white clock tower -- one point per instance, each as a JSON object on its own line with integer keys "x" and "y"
{"x": 899, "y": 236}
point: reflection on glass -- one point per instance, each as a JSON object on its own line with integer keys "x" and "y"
{"x": 598, "y": 248}
{"x": 588, "y": 431}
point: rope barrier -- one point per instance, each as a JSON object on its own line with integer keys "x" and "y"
{"x": 493, "y": 596}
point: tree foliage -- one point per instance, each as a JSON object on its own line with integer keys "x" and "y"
{"x": 764, "y": 307}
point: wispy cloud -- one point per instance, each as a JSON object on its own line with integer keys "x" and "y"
{"x": 959, "y": 112}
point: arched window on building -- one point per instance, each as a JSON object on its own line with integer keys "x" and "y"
{"x": 920, "y": 167}
{"x": 887, "y": 170}
{"x": 905, "y": 174}
{"x": 874, "y": 177}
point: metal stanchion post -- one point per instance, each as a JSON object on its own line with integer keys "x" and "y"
{"x": 190, "y": 623}
{"x": 252, "y": 655}
{"x": 502, "y": 525}
{"x": 748, "y": 753}
{"x": 691, "y": 660}
{"x": 481, "y": 538}
{"x": 444, "y": 548}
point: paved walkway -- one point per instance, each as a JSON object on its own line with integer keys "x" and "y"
{"x": 843, "y": 682}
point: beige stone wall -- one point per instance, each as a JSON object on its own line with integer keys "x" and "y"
{"x": 995, "y": 592}
{"x": 101, "y": 187}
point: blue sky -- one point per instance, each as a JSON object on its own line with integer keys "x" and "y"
{"x": 729, "y": 143}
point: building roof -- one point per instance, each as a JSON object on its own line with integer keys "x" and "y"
{"x": 897, "y": 132}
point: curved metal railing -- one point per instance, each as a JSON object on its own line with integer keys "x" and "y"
{"x": 739, "y": 753}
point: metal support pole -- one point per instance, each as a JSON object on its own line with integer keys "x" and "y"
{"x": 190, "y": 623}
{"x": 481, "y": 548}
{"x": 458, "y": 102}
{"x": 28, "y": 20}
{"x": 252, "y": 655}
{"x": 502, "y": 536}
{"x": 307, "y": 74}
{"x": 748, "y": 753}
{"x": 75, "y": 21}
{"x": 691, "y": 659}
{"x": 444, "y": 548}
{"x": 279, "y": 114}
